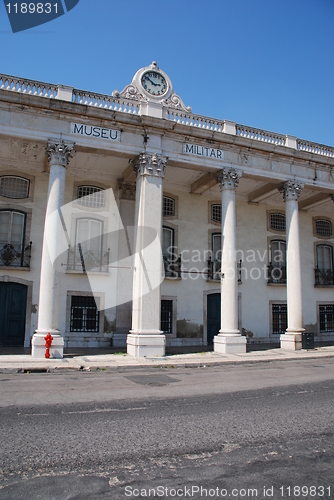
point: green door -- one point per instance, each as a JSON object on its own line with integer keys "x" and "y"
{"x": 13, "y": 302}
{"x": 214, "y": 313}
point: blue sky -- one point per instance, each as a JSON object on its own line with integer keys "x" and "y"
{"x": 262, "y": 63}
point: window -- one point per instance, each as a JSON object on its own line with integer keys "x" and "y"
{"x": 167, "y": 242}
{"x": 167, "y": 316}
{"x": 277, "y": 266}
{"x": 88, "y": 245}
{"x": 168, "y": 207}
{"x": 14, "y": 187}
{"x": 91, "y": 196}
{"x": 277, "y": 222}
{"x": 323, "y": 227}
{"x": 216, "y": 213}
{"x": 214, "y": 262}
{"x": 326, "y": 316}
{"x": 172, "y": 263}
{"x": 84, "y": 314}
{"x": 12, "y": 229}
{"x": 324, "y": 269}
{"x": 279, "y": 318}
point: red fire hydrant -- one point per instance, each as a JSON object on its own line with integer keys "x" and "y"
{"x": 48, "y": 341}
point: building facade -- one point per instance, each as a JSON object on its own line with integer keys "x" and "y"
{"x": 126, "y": 219}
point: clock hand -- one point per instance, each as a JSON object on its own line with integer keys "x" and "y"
{"x": 155, "y": 84}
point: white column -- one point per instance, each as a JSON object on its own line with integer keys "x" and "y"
{"x": 145, "y": 339}
{"x": 49, "y": 291}
{"x": 292, "y": 339}
{"x": 229, "y": 339}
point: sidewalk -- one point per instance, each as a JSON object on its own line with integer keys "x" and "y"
{"x": 19, "y": 363}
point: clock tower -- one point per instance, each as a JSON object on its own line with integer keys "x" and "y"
{"x": 153, "y": 88}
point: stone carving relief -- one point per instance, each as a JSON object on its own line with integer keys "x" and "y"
{"x": 150, "y": 164}
{"x": 228, "y": 178}
{"x": 127, "y": 190}
{"x": 59, "y": 152}
{"x": 291, "y": 190}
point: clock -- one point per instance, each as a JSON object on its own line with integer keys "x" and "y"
{"x": 154, "y": 83}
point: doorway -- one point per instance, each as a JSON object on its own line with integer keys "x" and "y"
{"x": 13, "y": 303}
{"x": 214, "y": 316}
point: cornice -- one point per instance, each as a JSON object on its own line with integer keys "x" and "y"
{"x": 166, "y": 128}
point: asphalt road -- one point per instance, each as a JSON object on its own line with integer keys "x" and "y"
{"x": 238, "y": 431}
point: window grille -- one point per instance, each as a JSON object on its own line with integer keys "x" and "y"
{"x": 91, "y": 196}
{"x": 168, "y": 206}
{"x": 167, "y": 316}
{"x": 84, "y": 314}
{"x": 279, "y": 318}
{"x": 326, "y": 313}
{"x": 277, "y": 222}
{"x": 323, "y": 227}
{"x": 14, "y": 187}
{"x": 216, "y": 213}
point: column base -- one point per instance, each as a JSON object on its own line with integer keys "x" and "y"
{"x": 291, "y": 341}
{"x": 38, "y": 344}
{"x": 146, "y": 345}
{"x": 229, "y": 344}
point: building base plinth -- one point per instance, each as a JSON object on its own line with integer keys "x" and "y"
{"x": 119, "y": 339}
{"x": 146, "y": 345}
{"x": 229, "y": 344}
{"x": 38, "y": 344}
{"x": 291, "y": 341}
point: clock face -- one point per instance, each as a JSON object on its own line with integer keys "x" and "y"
{"x": 154, "y": 83}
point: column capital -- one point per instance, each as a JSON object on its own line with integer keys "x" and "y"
{"x": 127, "y": 190}
{"x": 291, "y": 190}
{"x": 150, "y": 164}
{"x": 59, "y": 153}
{"x": 228, "y": 178}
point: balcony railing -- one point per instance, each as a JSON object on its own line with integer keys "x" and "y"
{"x": 127, "y": 102}
{"x": 15, "y": 255}
{"x": 79, "y": 259}
{"x": 172, "y": 267}
{"x": 276, "y": 274}
{"x": 324, "y": 276}
{"x": 214, "y": 269}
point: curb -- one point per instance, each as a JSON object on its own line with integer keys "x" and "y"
{"x": 91, "y": 366}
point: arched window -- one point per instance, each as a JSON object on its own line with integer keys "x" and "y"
{"x": 277, "y": 221}
{"x": 323, "y": 227}
{"x": 14, "y": 187}
{"x": 91, "y": 196}
{"x": 215, "y": 262}
{"x": 168, "y": 207}
{"x": 12, "y": 229}
{"x": 277, "y": 266}
{"x": 216, "y": 213}
{"x": 324, "y": 269}
{"x": 88, "y": 244}
{"x": 167, "y": 242}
